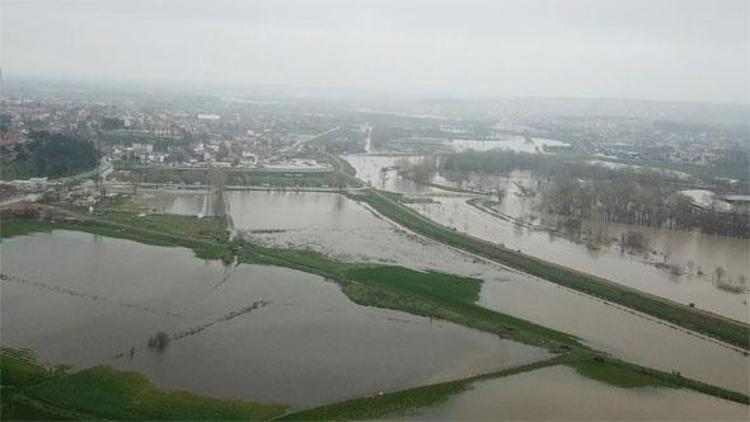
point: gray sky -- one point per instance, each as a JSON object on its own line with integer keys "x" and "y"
{"x": 653, "y": 49}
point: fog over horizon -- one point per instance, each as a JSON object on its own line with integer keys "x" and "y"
{"x": 693, "y": 50}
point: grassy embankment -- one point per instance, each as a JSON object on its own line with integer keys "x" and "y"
{"x": 32, "y": 391}
{"x": 436, "y": 295}
{"x": 730, "y": 331}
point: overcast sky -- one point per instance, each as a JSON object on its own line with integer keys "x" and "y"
{"x": 652, "y": 49}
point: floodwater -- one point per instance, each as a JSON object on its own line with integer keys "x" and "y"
{"x": 369, "y": 170}
{"x": 560, "y": 393}
{"x": 253, "y": 332}
{"x": 351, "y": 232}
{"x": 704, "y": 253}
{"x": 609, "y": 262}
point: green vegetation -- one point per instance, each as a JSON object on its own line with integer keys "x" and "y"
{"x": 18, "y": 368}
{"x": 51, "y": 155}
{"x": 35, "y": 391}
{"x": 575, "y": 188}
{"x": 447, "y": 297}
{"x": 208, "y": 228}
{"x": 429, "y": 284}
{"x": 12, "y": 227}
{"x": 112, "y": 394}
{"x": 723, "y": 329}
{"x": 618, "y": 376}
{"x": 628, "y": 375}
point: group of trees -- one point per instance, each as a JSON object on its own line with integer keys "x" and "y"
{"x": 52, "y": 155}
{"x": 633, "y": 200}
{"x": 422, "y": 170}
{"x": 577, "y": 189}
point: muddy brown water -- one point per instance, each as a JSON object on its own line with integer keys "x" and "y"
{"x": 704, "y": 252}
{"x": 347, "y": 230}
{"x": 261, "y": 333}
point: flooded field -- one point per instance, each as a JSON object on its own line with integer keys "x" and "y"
{"x": 255, "y": 332}
{"x": 369, "y": 169}
{"x": 610, "y": 263}
{"x": 559, "y": 393}
{"x": 697, "y": 254}
{"x": 355, "y": 234}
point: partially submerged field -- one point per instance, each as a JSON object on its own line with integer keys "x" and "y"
{"x": 729, "y": 331}
{"x": 436, "y": 295}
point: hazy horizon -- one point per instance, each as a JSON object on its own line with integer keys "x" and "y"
{"x": 694, "y": 51}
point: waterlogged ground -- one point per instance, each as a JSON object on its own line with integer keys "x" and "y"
{"x": 254, "y": 332}
{"x": 695, "y": 253}
{"x": 559, "y": 393}
{"x": 342, "y": 228}
{"x": 369, "y": 170}
{"x": 610, "y": 263}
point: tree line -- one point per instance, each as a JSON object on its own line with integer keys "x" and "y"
{"x": 51, "y": 155}
{"x": 577, "y": 189}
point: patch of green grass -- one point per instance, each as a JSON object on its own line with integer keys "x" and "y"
{"x": 629, "y": 375}
{"x": 432, "y": 284}
{"x": 112, "y": 394}
{"x": 12, "y": 227}
{"x": 733, "y": 332}
{"x": 618, "y": 376}
{"x": 183, "y": 225}
{"x": 447, "y": 297}
{"x": 19, "y": 368}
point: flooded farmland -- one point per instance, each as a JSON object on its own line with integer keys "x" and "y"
{"x": 620, "y": 267}
{"x": 253, "y": 332}
{"x": 352, "y": 233}
{"x": 547, "y": 394}
{"x": 700, "y": 251}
